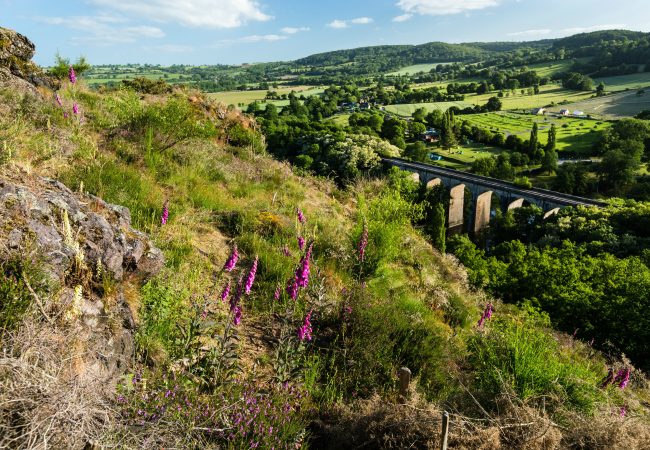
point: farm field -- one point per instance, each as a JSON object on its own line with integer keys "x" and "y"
{"x": 622, "y": 82}
{"x": 247, "y": 97}
{"x": 411, "y": 70}
{"x": 548, "y": 95}
{"x": 574, "y": 135}
{"x": 408, "y": 109}
{"x": 462, "y": 157}
{"x": 612, "y": 106}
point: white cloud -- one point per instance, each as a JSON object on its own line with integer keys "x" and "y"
{"x": 529, "y": 33}
{"x": 103, "y": 30}
{"x": 402, "y": 18}
{"x": 611, "y": 26}
{"x": 170, "y": 48}
{"x": 253, "y": 38}
{"x": 443, "y": 7}
{"x": 192, "y": 13}
{"x": 294, "y": 30}
{"x": 346, "y": 23}
{"x": 338, "y": 24}
{"x": 362, "y": 20}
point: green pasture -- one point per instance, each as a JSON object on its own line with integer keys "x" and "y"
{"x": 573, "y": 134}
{"x": 622, "y": 82}
{"x": 416, "y": 68}
{"x": 247, "y": 97}
{"x": 409, "y": 108}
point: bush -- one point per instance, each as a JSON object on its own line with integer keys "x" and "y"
{"x": 513, "y": 356}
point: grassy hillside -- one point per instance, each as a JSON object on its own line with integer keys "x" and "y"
{"x": 304, "y": 349}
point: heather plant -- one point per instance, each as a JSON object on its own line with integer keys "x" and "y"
{"x": 241, "y": 415}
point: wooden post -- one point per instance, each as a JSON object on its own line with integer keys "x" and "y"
{"x": 404, "y": 381}
{"x": 445, "y": 431}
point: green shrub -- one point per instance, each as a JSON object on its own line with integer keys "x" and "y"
{"x": 515, "y": 356}
{"x": 14, "y": 296}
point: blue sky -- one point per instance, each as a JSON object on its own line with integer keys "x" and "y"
{"x": 238, "y": 31}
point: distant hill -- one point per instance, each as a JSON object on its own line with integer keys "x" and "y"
{"x": 629, "y": 47}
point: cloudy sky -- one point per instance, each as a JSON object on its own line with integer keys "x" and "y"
{"x": 237, "y": 31}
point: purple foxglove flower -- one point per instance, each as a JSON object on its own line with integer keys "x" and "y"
{"x": 278, "y": 291}
{"x": 251, "y": 275}
{"x": 286, "y": 252}
{"x": 165, "y": 214}
{"x": 301, "y": 243}
{"x": 234, "y": 300}
{"x": 65, "y": 115}
{"x": 623, "y": 411}
{"x": 302, "y": 273}
{"x": 72, "y": 76}
{"x": 226, "y": 292}
{"x": 75, "y": 108}
{"x": 301, "y": 216}
{"x": 363, "y": 243}
{"x": 232, "y": 260}
{"x": 487, "y": 314}
{"x": 305, "y": 331}
{"x": 236, "y": 316}
{"x": 58, "y": 100}
{"x": 204, "y": 314}
{"x": 623, "y": 378}
{"x": 292, "y": 289}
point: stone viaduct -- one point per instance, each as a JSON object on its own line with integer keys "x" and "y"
{"x": 482, "y": 189}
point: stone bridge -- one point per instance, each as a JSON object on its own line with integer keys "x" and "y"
{"x": 482, "y": 189}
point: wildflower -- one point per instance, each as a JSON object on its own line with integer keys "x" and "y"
{"x": 234, "y": 301}
{"x": 623, "y": 411}
{"x": 65, "y": 115}
{"x": 622, "y": 377}
{"x": 236, "y": 318}
{"x": 225, "y": 292}
{"x": 301, "y": 243}
{"x": 278, "y": 291}
{"x": 292, "y": 289}
{"x": 58, "y": 100}
{"x": 232, "y": 260}
{"x": 204, "y": 314}
{"x": 304, "y": 332}
{"x": 286, "y": 252}
{"x": 487, "y": 314}
{"x": 72, "y": 76}
{"x": 302, "y": 273}
{"x": 75, "y": 108}
{"x": 363, "y": 243}
{"x": 251, "y": 275}
{"x": 301, "y": 216}
{"x": 165, "y": 214}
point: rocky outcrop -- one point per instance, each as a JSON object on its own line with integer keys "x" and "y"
{"x": 16, "y": 52}
{"x": 81, "y": 243}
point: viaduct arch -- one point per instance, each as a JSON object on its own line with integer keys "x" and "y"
{"x": 482, "y": 189}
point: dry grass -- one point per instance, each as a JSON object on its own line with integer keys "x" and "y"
{"x": 49, "y": 396}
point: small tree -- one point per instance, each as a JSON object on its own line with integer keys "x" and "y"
{"x": 438, "y": 228}
{"x": 600, "y": 90}
{"x": 62, "y": 66}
